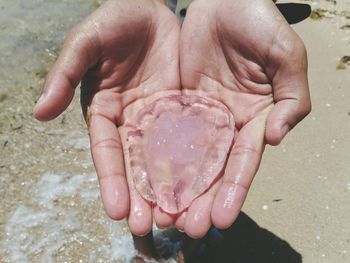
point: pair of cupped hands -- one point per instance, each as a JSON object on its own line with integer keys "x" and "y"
{"x": 242, "y": 53}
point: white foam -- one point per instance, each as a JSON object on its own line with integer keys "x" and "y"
{"x": 79, "y": 141}
{"x": 20, "y": 244}
{"x": 54, "y": 218}
{"x": 42, "y": 227}
{"x": 51, "y": 187}
{"x": 122, "y": 248}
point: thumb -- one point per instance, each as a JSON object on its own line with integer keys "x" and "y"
{"x": 78, "y": 54}
{"x": 290, "y": 92}
{"x": 283, "y": 117}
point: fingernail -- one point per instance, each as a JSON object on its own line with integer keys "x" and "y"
{"x": 41, "y": 98}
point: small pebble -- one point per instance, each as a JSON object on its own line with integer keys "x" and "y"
{"x": 265, "y": 207}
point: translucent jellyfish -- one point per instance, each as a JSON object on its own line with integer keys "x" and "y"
{"x": 177, "y": 146}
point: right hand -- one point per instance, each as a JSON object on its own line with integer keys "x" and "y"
{"x": 245, "y": 55}
{"x": 124, "y": 51}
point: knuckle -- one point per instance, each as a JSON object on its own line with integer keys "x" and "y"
{"x": 110, "y": 143}
{"x": 73, "y": 34}
{"x": 105, "y": 177}
{"x": 305, "y": 108}
{"x": 308, "y": 108}
{"x": 243, "y": 149}
{"x": 233, "y": 183}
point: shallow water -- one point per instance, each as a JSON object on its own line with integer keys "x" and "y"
{"x": 32, "y": 31}
{"x": 50, "y": 209}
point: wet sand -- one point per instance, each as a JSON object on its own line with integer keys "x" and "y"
{"x": 297, "y": 210}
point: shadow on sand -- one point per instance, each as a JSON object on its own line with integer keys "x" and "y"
{"x": 294, "y": 13}
{"x": 244, "y": 242}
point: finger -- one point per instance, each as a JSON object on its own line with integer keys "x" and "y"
{"x": 290, "y": 90}
{"x": 140, "y": 218}
{"x": 240, "y": 170}
{"x": 107, "y": 155}
{"x": 198, "y": 220}
{"x": 162, "y": 218}
{"x": 78, "y": 54}
{"x": 140, "y": 215}
{"x": 180, "y": 221}
{"x": 284, "y": 116}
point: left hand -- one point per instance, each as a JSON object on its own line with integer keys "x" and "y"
{"x": 123, "y": 52}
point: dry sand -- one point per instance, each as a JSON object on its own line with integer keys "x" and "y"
{"x": 298, "y": 208}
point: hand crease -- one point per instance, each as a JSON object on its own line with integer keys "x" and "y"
{"x": 107, "y": 176}
{"x": 239, "y": 149}
{"x": 111, "y": 143}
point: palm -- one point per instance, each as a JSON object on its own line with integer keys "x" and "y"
{"x": 241, "y": 59}
{"x": 137, "y": 64}
{"x": 133, "y": 57}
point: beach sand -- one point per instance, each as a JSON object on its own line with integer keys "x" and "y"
{"x": 297, "y": 210}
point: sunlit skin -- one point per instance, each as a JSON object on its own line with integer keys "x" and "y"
{"x": 123, "y": 52}
{"x": 241, "y": 53}
{"x": 244, "y": 54}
